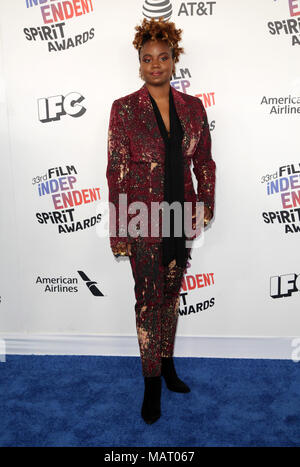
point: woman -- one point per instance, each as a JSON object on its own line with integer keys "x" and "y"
{"x": 154, "y": 134}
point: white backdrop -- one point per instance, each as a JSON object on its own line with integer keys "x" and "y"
{"x": 243, "y": 73}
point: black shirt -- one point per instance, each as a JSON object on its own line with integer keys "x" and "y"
{"x": 173, "y": 246}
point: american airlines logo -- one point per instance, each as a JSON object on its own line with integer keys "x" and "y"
{"x": 68, "y": 284}
{"x": 91, "y": 285}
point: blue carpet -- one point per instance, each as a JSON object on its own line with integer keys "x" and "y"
{"x": 96, "y": 401}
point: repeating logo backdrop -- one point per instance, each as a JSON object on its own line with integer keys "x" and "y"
{"x": 62, "y": 65}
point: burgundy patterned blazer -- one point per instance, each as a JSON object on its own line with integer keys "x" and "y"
{"x": 136, "y": 154}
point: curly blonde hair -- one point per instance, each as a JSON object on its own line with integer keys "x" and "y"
{"x": 159, "y": 29}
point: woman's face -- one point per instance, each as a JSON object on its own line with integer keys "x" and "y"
{"x": 157, "y": 65}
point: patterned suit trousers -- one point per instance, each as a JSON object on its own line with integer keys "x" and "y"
{"x": 156, "y": 289}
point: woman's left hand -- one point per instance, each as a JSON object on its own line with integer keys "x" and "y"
{"x": 207, "y": 217}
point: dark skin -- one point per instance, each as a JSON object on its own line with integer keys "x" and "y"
{"x": 156, "y": 57}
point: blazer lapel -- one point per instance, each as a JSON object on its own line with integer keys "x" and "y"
{"x": 190, "y": 136}
{"x": 147, "y": 115}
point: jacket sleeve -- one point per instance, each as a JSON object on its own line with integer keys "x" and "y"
{"x": 117, "y": 174}
{"x": 204, "y": 166}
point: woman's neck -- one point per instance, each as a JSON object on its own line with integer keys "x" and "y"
{"x": 159, "y": 93}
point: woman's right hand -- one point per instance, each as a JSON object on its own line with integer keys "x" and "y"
{"x": 129, "y": 249}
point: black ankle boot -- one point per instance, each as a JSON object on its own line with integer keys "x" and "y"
{"x": 169, "y": 373}
{"x": 151, "y": 404}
